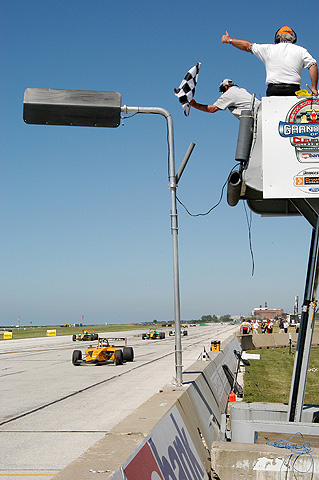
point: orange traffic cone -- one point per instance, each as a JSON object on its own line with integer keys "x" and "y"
{"x": 232, "y": 397}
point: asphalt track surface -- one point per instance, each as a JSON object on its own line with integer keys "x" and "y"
{"x": 52, "y": 411}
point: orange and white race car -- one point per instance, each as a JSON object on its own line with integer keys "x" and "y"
{"x": 104, "y": 352}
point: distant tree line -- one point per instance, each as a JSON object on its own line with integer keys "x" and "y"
{"x": 204, "y": 319}
{"x": 215, "y": 319}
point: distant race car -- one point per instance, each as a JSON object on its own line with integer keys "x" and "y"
{"x": 104, "y": 352}
{"x": 172, "y": 332}
{"x": 152, "y": 335}
{"x": 85, "y": 335}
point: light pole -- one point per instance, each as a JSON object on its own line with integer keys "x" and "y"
{"x": 43, "y": 106}
{"x": 174, "y": 227}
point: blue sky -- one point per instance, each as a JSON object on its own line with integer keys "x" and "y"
{"x": 85, "y": 212}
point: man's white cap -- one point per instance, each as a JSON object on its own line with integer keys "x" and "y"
{"x": 225, "y": 82}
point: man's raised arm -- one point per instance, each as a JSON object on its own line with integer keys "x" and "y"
{"x": 241, "y": 44}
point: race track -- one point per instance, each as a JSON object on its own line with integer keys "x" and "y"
{"x": 52, "y": 411}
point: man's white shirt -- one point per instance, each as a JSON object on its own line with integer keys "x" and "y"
{"x": 283, "y": 61}
{"x": 235, "y": 99}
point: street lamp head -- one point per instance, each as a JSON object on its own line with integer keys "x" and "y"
{"x": 83, "y": 108}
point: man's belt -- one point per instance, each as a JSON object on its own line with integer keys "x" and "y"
{"x": 297, "y": 85}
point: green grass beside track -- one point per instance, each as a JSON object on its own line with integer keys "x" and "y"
{"x": 273, "y": 374}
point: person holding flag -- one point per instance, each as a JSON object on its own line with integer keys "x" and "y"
{"x": 233, "y": 97}
{"x": 283, "y": 60}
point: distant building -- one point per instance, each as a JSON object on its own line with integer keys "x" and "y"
{"x": 265, "y": 312}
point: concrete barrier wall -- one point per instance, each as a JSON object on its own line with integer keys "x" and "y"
{"x": 233, "y": 461}
{"x": 245, "y": 432}
{"x": 173, "y": 449}
{"x": 170, "y": 434}
{"x": 209, "y": 390}
{"x": 272, "y": 340}
{"x": 247, "y": 419}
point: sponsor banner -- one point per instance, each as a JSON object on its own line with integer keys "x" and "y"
{"x": 168, "y": 453}
{"x": 51, "y": 333}
{"x": 309, "y": 157}
{"x": 302, "y": 127}
{"x": 290, "y": 141}
{"x": 307, "y": 180}
{"x": 296, "y": 129}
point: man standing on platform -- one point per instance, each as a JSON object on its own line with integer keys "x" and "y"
{"x": 283, "y": 60}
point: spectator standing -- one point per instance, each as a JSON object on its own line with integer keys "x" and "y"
{"x": 245, "y": 327}
{"x": 269, "y": 326}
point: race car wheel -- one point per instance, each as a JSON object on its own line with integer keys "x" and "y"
{"x": 95, "y": 336}
{"x": 118, "y": 355}
{"x": 74, "y": 338}
{"x": 162, "y": 335}
{"x": 76, "y": 357}
{"x": 143, "y": 336}
{"x": 128, "y": 354}
{"x": 185, "y": 333}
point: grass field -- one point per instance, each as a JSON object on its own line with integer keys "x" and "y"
{"x": 273, "y": 374}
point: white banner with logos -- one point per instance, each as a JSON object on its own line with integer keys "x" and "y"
{"x": 290, "y": 147}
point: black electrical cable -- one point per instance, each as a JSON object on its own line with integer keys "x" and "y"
{"x": 249, "y": 220}
{"x": 216, "y": 205}
{"x": 129, "y": 116}
{"x": 212, "y": 208}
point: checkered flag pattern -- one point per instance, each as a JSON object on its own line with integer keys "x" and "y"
{"x": 185, "y": 92}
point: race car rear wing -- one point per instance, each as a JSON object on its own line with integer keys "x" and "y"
{"x": 114, "y": 339}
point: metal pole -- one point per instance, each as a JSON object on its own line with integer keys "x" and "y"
{"x": 299, "y": 376}
{"x": 184, "y": 162}
{"x": 174, "y": 227}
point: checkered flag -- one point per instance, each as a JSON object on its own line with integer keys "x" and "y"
{"x": 185, "y": 92}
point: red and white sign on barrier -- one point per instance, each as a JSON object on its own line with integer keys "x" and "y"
{"x": 168, "y": 453}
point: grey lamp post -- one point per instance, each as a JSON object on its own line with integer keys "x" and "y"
{"x": 174, "y": 226}
{"x": 45, "y": 106}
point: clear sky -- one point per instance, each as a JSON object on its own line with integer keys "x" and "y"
{"x": 85, "y": 212}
